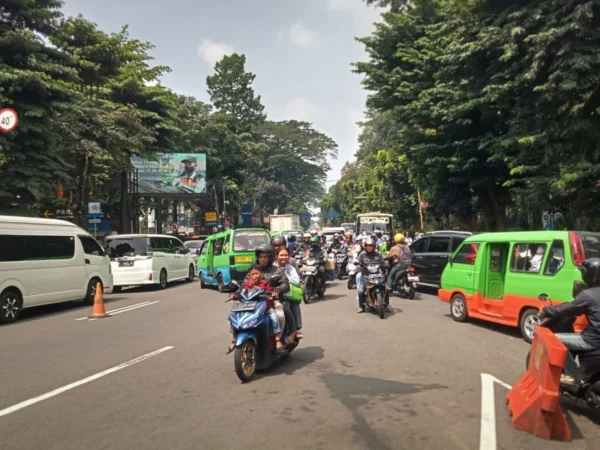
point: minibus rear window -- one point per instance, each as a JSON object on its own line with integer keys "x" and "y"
{"x": 119, "y": 247}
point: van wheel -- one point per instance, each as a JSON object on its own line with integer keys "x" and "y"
{"x": 11, "y": 305}
{"x": 162, "y": 279}
{"x": 91, "y": 291}
{"x": 458, "y": 308}
{"x": 191, "y": 274}
{"x": 529, "y": 321}
{"x": 201, "y": 278}
{"x": 220, "y": 284}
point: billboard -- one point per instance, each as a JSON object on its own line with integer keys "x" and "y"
{"x": 171, "y": 173}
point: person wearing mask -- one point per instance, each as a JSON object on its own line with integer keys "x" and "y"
{"x": 304, "y": 246}
{"x": 293, "y": 314}
{"x": 370, "y": 256}
{"x": 316, "y": 252}
{"x": 586, "y": 302}
{"x": 336, "y": 243}
{"x": 400, "y": 257}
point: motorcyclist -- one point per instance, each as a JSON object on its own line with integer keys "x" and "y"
{"x": 400, "y": 257}
{"x": 379, "y": 238}
{"x": 292, "y": 246}
{"x": 304, "y": 245}
{"x": 278, "y": 242}
{"x": 348, "y": 239}
{"x": 316, "y": 252}
{"x": 336, "y": 244}
{"x": 370, "y": 256}
{"x": 277, "y": 279}
{"x": 586, "y": 302}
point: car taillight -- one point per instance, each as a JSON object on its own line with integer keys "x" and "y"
{"x": 412, "y": 269}
{"x": 576, "y": 248}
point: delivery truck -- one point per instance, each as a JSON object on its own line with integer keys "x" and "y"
{"x": 284, "y": 222}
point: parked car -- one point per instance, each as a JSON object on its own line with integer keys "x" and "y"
{"x": 44, "y": 261}
{"x": 430, "y": 254}
{"x": 138, "y": 259}
{"x": 194, "y": 247}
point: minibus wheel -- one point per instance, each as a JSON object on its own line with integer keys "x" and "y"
{"x": 458, "y": 308}
{"x": 11, "y": 305}
{"x": 91, "y": 291}
{"x": 529, "y": 321}
{"x": 192, "y": 273}
{"x": 220, "y": 283}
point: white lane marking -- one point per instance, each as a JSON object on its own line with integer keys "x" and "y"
{"x": 133, "y": 307}
{"x": 68, "y": 387}
{"x": 122, "y": 309}
{"x": 487, "y": 430}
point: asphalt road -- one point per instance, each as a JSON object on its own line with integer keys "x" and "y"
{"x": 411, "y": 381}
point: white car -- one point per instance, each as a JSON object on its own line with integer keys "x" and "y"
{"x": 139, "y": 259}
{"x": 44, "y": 261}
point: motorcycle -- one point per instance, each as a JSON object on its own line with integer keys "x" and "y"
{"x": 406, "y": 283}
{"x": 311, "y": 281}
{"x": 341, "y": 261}
{"x": 376, "y": 288}
{"x": 255, "y": 346}
{"x": 587, "y": 384}
{"x": 351, "y": 268}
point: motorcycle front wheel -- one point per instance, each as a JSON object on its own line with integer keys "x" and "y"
{"x": 307, "y": 290}
{"x": 245, "y": 361}
{"x": 350, "y": 283}
{"x": 380, "y": 304}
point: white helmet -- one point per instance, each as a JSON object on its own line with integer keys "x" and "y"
{"x": 306, "y": 235}
{"x": 313, "y": 232}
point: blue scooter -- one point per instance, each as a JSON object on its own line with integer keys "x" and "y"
{"x": 255, "y": 346}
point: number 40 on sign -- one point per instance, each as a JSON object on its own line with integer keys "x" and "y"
{"x": 8, "y": 120}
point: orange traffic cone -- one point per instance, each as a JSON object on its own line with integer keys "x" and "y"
{"x": 98, "y": 312}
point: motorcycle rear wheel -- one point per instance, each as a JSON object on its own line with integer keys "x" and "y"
{"x": 245, "y": 361}
{"x": 350, "y": 283}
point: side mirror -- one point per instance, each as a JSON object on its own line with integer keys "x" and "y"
{"x": 543, "y": 297}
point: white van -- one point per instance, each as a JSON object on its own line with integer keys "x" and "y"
{"x": 45, "y": 261}
{"x": 139, "y": 259}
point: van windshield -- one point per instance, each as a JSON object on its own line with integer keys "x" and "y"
{"x": 134, "y": 246}
{"x": 247, "y": 241}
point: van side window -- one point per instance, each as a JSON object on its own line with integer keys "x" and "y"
{"x": 556, "y": 258}
{"x": 466, "y": 254}
{"x": 90, "y": 246}
{"x": 419, "y": 245}
{"x": 527, "y": 258}
{"x": 218, "y": 246}
{"x": 167, "y": 245}
{"x": 175, "y": 244}
{"x": 155, "y": 244}
{"x": 36, "y": 248}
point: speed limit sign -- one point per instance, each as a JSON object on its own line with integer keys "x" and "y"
{"x": 8, "y": 119}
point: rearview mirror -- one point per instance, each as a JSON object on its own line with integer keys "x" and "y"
{"x": 543, "y": 297}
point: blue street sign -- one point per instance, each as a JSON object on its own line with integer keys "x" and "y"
{"x": 332, "y": 214}
{"x": 305, "y": 216}
{"x": 246, "y": 214}
{"x": 94, "y": 210}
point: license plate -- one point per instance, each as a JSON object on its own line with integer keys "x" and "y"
{"x": 310, "y": 269}
{"x": 340, "y": 258}
{"x": 413, "y": 279}
{"x": 243, "y": 259}
{"x": 243, "y": 306}
{"x": 125, "y": 263}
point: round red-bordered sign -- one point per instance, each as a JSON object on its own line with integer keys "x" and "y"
{"x": 8, "y": 119}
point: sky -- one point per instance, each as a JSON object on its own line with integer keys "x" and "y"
{"x": 300, "y": 51}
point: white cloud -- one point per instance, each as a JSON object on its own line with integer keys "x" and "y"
{"x": 363, "y": 16}
{"x": 213, "y": 52}
{"x": 302, "y": 36}
{"x": 301, "y": 109}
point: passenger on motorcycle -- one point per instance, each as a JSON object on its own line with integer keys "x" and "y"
{"x": 265, "y": 256}
{"x": 400, "y": 257}
{"x": 370, "y": 256}
{"x": 379, "y": 238}
{"x": 316, "y": 252}
{"x": 348, "y": 238}
{"x": 293, "y": 314}
{"x": 586, "y": 302}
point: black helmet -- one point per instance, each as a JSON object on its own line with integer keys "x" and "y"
{"x": 590, "y": 270}
{"x": 266, "y": 248}
{"x": 277, "y": 241}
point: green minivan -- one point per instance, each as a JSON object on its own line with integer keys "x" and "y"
{"x": 226, "y": 257}
{"x": 499, "y": 277}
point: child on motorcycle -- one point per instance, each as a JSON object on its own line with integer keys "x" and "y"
{"x": 257, "y": 278}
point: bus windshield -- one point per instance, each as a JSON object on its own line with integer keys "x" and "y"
{"x": 372, "y": 223}
{"x": 247, "y": 241}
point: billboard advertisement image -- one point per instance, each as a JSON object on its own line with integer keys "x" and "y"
{"x": 171, "y": 173}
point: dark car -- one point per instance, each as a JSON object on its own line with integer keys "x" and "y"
{"x": 430, "y": 254}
